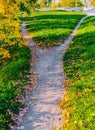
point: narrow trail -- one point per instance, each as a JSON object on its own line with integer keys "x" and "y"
{"x": 43, "y": 112}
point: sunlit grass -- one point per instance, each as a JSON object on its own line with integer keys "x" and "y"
{"x": 79, "y": 66}
{"x": 52, "y": 28}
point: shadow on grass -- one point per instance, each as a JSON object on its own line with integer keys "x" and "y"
{"x": 53, "y": 15}
{"x": 51, "y": 27}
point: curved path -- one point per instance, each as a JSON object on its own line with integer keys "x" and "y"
{"x": 43, "y": 112}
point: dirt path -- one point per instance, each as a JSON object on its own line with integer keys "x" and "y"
{"x": 43, "y": 113}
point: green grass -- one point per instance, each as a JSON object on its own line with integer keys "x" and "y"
{"x": 79, "y": 66}
{"x": 13, "y": 75}
{"x": 52, "y": 28}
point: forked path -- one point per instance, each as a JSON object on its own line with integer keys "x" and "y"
{"x": 43, "y": 112}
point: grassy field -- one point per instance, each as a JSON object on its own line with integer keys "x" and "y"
{"x": 79, "y": 66}
{"x": 51, "y": 28}
{"x": 47, "y": 29}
